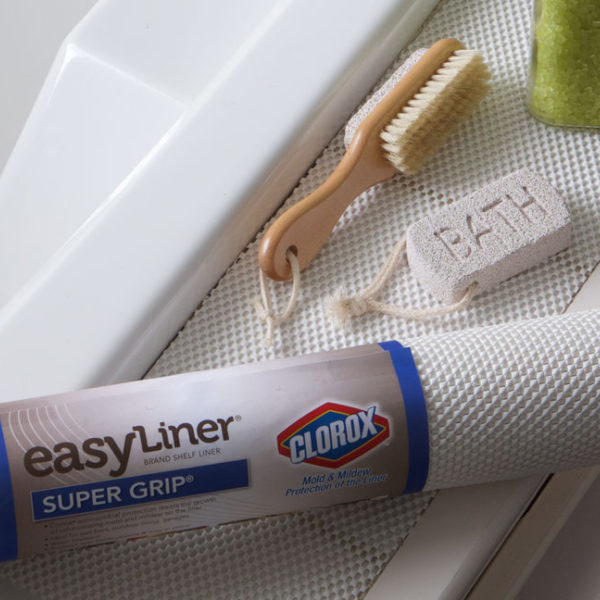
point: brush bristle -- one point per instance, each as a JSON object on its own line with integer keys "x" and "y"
{"x": 423, "y": 125}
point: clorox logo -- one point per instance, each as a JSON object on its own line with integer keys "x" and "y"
{"x": 333, "y": 435}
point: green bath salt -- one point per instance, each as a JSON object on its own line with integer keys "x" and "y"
{"x": 565, "y": 76}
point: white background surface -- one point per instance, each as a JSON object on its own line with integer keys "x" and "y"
{"x": 30, "y": 34}
{"x": 112, "y": 236}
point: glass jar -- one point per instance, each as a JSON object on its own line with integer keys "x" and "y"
{"x": 564, "y": 82}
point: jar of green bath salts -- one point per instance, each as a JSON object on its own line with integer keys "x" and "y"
{"x": 564, "y": 85}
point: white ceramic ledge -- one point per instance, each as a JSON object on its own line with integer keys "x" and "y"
{"x": 162, "y": 140}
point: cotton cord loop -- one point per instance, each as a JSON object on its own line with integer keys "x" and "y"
{"x": 341, "y": 308}
{"x": 264, "y": 305}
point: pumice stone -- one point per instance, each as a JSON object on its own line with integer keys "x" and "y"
{"x": 498, "y": 231}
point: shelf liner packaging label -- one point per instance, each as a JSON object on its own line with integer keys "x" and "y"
{"x": 199, "y": 449}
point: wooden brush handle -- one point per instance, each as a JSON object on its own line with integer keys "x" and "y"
{"x": 305, "y": 227}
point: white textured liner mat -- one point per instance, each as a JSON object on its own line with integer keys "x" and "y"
{"x": 337, "y": 553}
{"x": 511, "y": 400}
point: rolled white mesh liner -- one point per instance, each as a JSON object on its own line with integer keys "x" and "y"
{"x": 513, "y": 399}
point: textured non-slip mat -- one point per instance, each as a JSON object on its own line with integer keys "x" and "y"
{"x": 336, "y": 553}
{"x": 511, "y": 400}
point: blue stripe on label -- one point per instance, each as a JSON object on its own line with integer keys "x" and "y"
{"x": 391, "y": 345}
{"x": 416, "y": 415}
{"x": 8, "y": 524}
{"x": 154, "y": 487}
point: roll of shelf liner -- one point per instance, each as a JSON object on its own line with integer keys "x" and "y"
{"x": 218, "y": 446}
{"x": 510, "y": 400}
